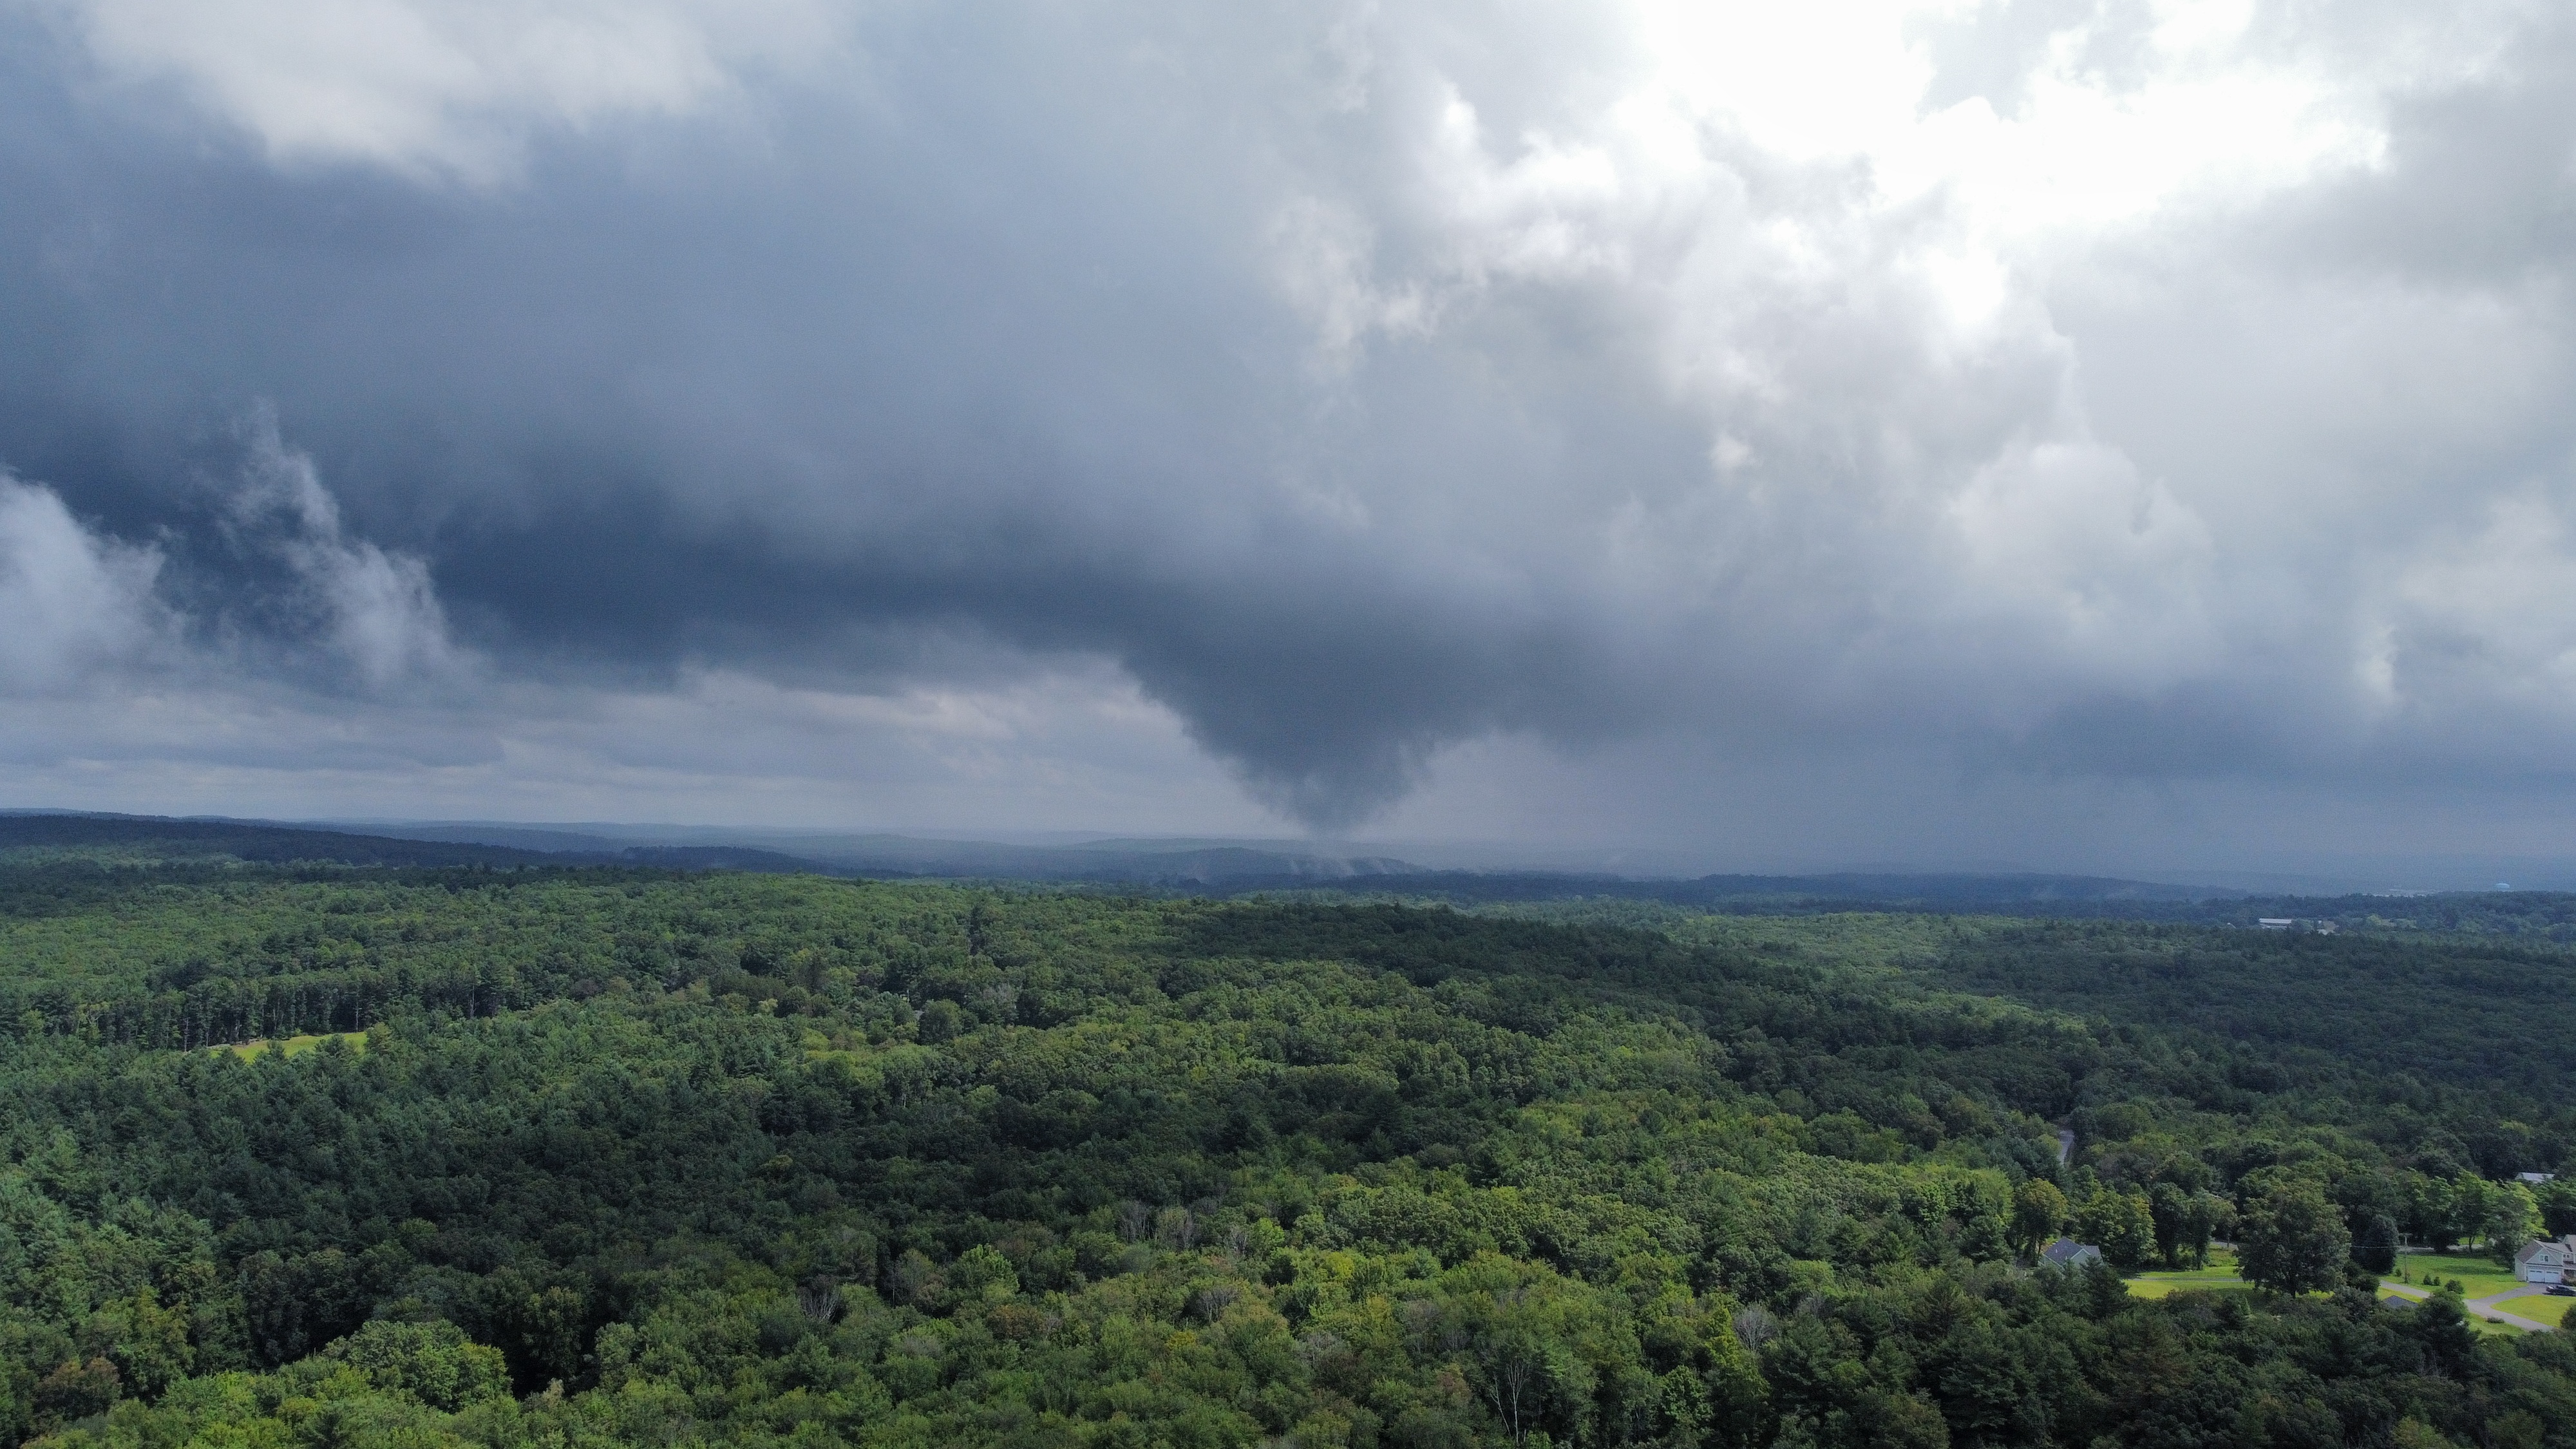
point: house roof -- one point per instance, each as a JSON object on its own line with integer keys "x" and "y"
{"x": 2066, "y": 1250}
{"x": 2556, "y": 1252}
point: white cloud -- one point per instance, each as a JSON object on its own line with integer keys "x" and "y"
{"x": 87, "y": 614}
{"x": 443, "y": 88}
{"x": 2079, "y": 559}
{"x": 1914, "y": 492}
{"x": 75, "y": 604}
{"x": 377, "y": 611}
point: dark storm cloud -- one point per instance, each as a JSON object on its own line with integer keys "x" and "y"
{"x": 1356, "y": 385}
{"x": 919, "y": 362}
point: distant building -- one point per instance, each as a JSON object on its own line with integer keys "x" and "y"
{"x": 2545, "y": 1260}
{"x": 2275, "y": 923}
{"x": 2535, "y": 1179}
{"x": 2068, "y": 1253}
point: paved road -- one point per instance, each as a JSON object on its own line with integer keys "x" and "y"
{"x": 2485, "y": 1307}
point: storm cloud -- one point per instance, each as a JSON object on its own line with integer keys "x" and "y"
{"x": 1671, "y": 413}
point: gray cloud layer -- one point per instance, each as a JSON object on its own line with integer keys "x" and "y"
{"x": 2061, "y": 392}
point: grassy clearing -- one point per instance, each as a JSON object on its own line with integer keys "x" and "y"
{"x": 2477, "y": 1274}
{"x": 2218, "y": 1276}
{"x": 296, "y": 1046}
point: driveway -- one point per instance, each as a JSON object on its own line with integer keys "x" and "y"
{"x": 2485, "y": 1307}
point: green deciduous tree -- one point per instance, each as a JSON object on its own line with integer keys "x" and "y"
{"x": 2291, "y": 1240}
{"x": 2038, "y": 1210}
{"x": 2185, "y": 1221}
{"x": 2377, "y": 1250}
{"x": 2513, "y": 1219}
{"x": 2120, "y": 1224}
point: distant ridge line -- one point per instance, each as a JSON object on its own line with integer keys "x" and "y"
{"x": 1225, "y": 869}
{"x": 1235, "y": 871}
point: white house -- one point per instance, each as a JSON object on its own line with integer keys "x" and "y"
{"x": 2545, "y": 1260}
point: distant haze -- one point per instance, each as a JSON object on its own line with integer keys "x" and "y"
{"x": 2104, "y": 437}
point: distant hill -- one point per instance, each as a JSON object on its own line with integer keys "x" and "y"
{"x": 545, "y": 839}
{"x": 163, "y": 838}
{"x": 1190, "y": 867}
{"x": 160, "y": 838}
{"x": 1228, "y": 870}
{"x": 1794, "y": 894}
{"x": 1168, "y": 865}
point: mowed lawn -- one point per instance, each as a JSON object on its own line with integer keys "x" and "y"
{"x": 2218, "y": 1275}
{"x": 2478, "y": 1277}
{"x": 2552, "y": 1311}
{"x": 2477, "y": 1274}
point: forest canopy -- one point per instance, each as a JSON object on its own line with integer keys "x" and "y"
{"x": 505, "y": 1156}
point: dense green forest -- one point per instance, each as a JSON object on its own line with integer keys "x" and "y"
{"x": 2395, "y": 1009}
{"x": 590, "y": 1156}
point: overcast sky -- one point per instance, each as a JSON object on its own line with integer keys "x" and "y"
{"x": 2095, "y": 436}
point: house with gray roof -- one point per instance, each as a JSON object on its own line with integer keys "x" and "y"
{"x": 2546, "y": 1260}
{"x": 2068, "y": 1253}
